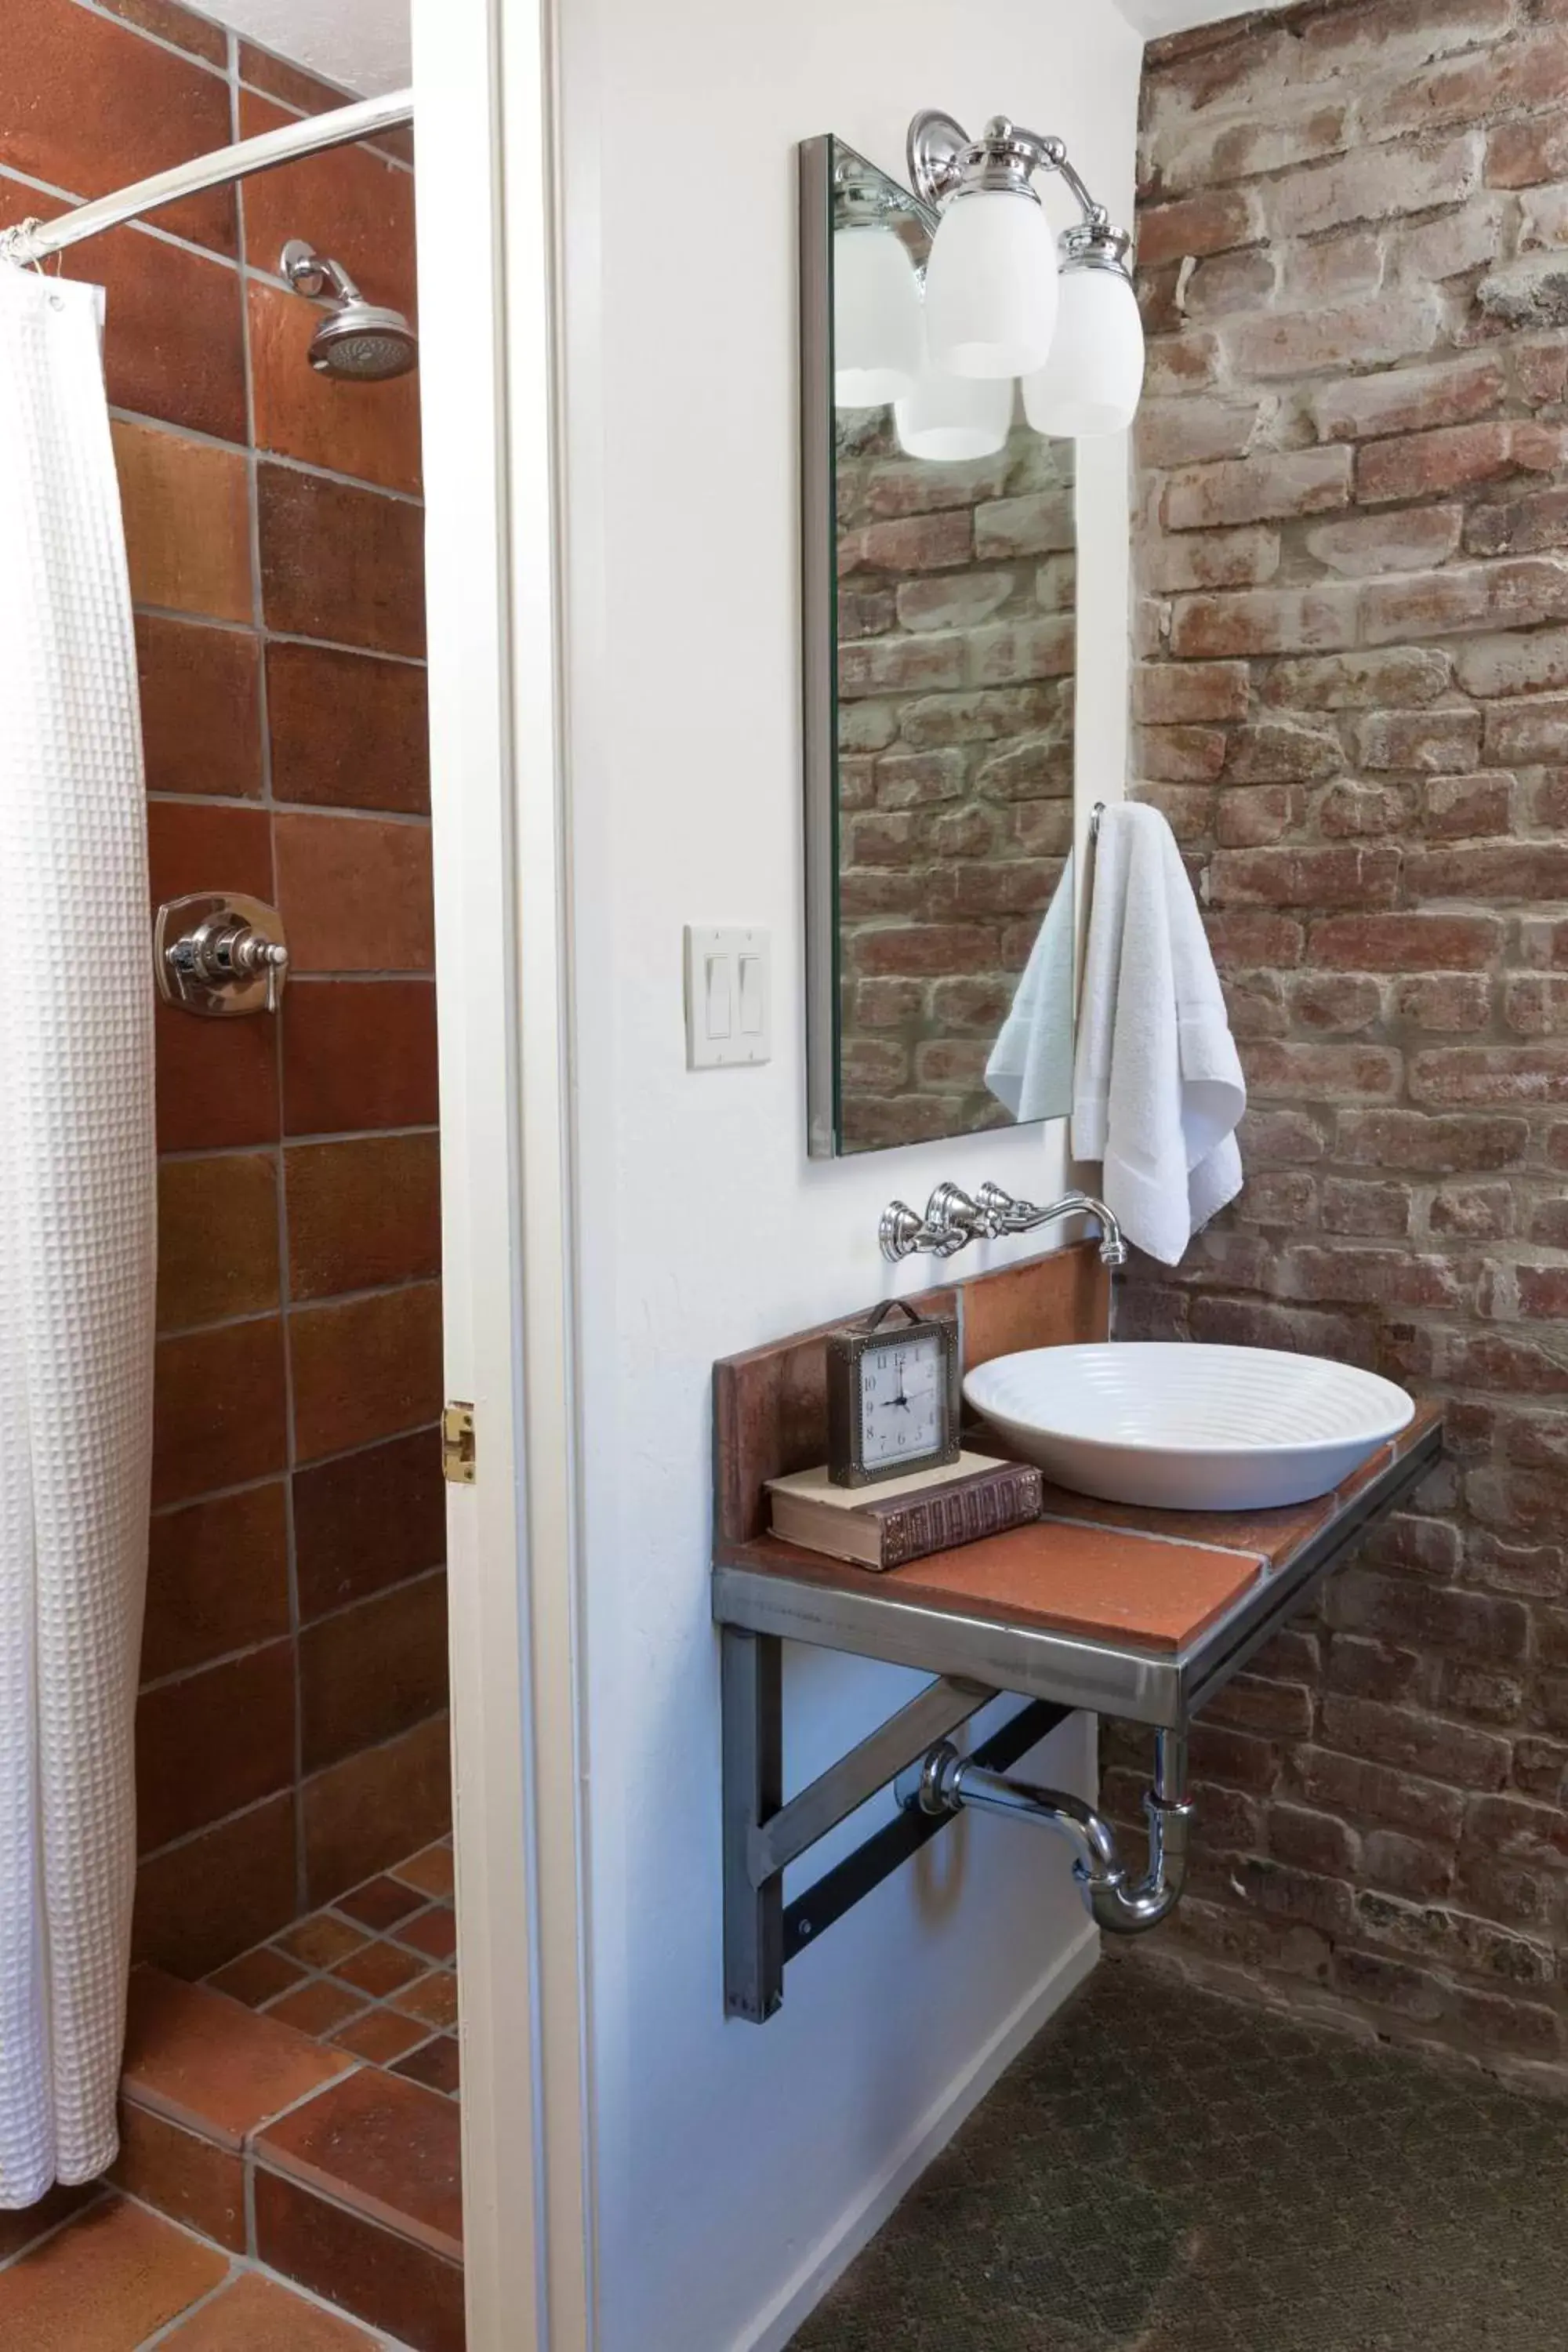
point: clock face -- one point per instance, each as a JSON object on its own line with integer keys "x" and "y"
{"x": 903, "y": 1416}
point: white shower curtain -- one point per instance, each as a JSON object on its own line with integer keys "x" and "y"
{"x": 76, "y": 1242}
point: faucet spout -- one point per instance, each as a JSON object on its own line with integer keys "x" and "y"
{"x": 1012, "y": 1216}
{"x": 953, "y": 1219}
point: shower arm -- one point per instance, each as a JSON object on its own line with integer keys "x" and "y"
{"x": 33, "y": 241}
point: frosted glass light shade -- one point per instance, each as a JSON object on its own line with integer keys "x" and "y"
{"x": 876, "y": 318}
{"x": 990, "y": 285}
{"x": 1092, "y": 383}
{"x": 949, "y": 418}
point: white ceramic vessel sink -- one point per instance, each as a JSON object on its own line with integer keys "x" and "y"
{"x": 1184, "y": 1427}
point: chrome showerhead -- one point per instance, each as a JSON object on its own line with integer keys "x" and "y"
{"x": 359, "y": 341}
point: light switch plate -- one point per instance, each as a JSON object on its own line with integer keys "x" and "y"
{"x": 729, "y": 995}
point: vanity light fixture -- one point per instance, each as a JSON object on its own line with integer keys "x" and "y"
{"x": 950, "y": 418}
{"x": 878, "y": 338}
{"x": 1003, "y": 298}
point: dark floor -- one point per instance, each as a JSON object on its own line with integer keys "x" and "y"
{"x": 1164, "y": 2171}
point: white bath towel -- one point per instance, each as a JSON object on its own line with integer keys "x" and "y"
{"x": 1158, "y": 1089}
{"x": 76, "y": 1242}
{"x": 1030, "y": 1069}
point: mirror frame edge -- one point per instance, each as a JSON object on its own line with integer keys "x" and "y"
{"x": 819, "y": 651}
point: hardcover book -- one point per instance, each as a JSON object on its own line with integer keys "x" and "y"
{"x": 905, "y": 1518}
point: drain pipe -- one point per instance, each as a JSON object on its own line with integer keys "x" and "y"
{"x": 1121, "y": 1904}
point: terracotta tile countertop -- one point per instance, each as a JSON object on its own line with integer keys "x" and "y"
{"x": 1108, "y": 1571}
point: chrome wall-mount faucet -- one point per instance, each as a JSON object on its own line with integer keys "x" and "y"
{"x": 954, "y": 1218}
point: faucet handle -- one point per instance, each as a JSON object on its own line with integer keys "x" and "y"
{"x": 902, "y": 1232}
{"x": 951, "y": 1208}
{"x": 1006, "y": 1214}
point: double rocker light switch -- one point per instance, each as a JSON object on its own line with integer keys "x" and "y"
{"x": 729, "y": 987}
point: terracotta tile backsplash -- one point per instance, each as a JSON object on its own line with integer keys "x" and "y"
{"x": 294, "y": 1586}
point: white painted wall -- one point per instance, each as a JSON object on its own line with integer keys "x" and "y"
{"x": 738, "y": 2164}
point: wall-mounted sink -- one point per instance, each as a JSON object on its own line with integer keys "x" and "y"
{"x": 1180, "y": 1427}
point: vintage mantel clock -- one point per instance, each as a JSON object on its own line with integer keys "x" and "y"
{"x": 892, "y": 1397}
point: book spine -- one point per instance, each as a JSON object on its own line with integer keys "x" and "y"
{"x": 939, "y": 1521}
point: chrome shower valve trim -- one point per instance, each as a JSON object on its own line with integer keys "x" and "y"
{"x": 954, "y": 1218}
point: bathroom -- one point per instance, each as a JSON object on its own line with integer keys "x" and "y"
{"x": 1318, "y": 599}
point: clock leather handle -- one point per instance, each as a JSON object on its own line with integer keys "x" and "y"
{"x": 874, "y": 1320}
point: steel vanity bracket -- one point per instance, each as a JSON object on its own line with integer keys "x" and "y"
{"x": 974, "y": 1660}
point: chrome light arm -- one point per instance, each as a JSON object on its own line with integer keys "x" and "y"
{"x": 944, "y": 1781}
{"x": 943, "y": 159}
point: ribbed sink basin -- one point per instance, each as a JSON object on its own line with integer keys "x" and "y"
{"x": 1183, "y": 1427}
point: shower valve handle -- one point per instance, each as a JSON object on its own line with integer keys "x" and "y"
{"x": 219, "y": 954}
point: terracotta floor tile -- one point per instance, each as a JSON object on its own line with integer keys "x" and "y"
{"x": 260, "y": 2315}
{"x": 194, "y": 1616}
{"x": 432, "y": 1871}
{"x": 320, "y": 1941}
{"x": 19, "y": 2226}
{"x": 182, "y": 2174}
{"x": 381, "y": 2035}
{"x": 212, "y": 2065}
{"x": 257, "y": 1977}
{"x": 434, "y": 1932}
{"x": 434, "y": 2064}
{"x": 388, "y": 2279}
{"x": 389, "y": 2148}
{"x": 434, "y": 1997}
{"x": 105, "y": 2282}
{"x": 379, "y": 1903}
{"x": 317, "y": 2007}
{"x": 380, "y": 1970}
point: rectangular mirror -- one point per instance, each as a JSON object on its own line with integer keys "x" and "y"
{"x": 940, "y": 560}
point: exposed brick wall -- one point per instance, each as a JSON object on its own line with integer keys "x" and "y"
{"x": 955, "y": 659}
{"x": 291, "y": 1735}
{"x": 1353, "y": 564}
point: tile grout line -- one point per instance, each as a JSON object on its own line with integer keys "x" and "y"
{"x": 170, "y": 430}
{"x": 239, "y": 1813}
{"x": 415, "y": 819}
{"x": 175, "y": 613}
{"x": 284, "y": 1307}
{"x": 325, "y": 1617}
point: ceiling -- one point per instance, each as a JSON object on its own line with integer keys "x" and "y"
{"x": 360, "y": 43}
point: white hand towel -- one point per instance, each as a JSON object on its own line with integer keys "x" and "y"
{"x": 1158, "y": 1089}
{"x": 1030, "y": 1069}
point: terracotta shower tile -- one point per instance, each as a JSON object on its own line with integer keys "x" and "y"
{"x": 349, "y": 730}
{"x": 213, "y": 1741}
{"x": 433, "y": 1998}
{"x": 317, "y": 2007}
{"x": 360, "y": 1814}
{"x": 379, "y": 1903}
{"x": 201, "y": 708}
{"x": 219, "y": 1413}
{"x": 172, "y": 342}
{"x": 384, "y": 2278}
{"x": 357, "y": 1054}
{"x": 260, "y": 2314}
{"x": 435, "y": 2063}
{"x": 257, "y": 1977}
{"x": 321, "y": 1942}
{"x": 362, "y": 1215}
{"x": 187, "y": 520}
{"x": 116, "y": 2275}
{"x": 365, "y": 1368}
{"x": 279, "y": 78}
{"x": 369, "y": 429}
{"x": 338, "y": 563}
{"x": 194, "y": 1612}
{"x": 211, "y": 2065}
{"x": 372, "y": 1671}
{"x": 432, "y": 1871}
{"x": 434, "y": 1932}
{"x": 197, "y": 845}
{"x": 349, "y": 202}
{"x": 172, "y": 23}
{"x": 200, "y": 1903}
{"x": 354, "y": 893}
{"x": 378, "y": 1971}
{"x": 380, "y": 2036}
{"x": 217, "y": 1238}
{"x": 388, "y": 2148}
{"x": 368, "y": 1520}
{"x": 182, "y": 2174}
{"x": 217, "y": 1081}
{"x": 133, "y": 109}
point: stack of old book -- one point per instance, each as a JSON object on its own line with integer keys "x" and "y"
{"x": 901, "y": 1520}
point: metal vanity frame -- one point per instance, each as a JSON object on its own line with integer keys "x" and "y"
{"x": 974, "y": 1660}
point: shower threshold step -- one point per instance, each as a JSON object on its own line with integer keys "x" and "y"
{"x": 295, "y": 2153}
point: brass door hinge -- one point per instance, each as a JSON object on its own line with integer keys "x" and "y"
{"x": 458, "y": 1445}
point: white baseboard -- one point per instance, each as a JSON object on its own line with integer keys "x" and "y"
{"x": 833, "y": 2253}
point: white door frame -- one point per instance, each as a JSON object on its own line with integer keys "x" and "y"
{"x": 487, "y": 300}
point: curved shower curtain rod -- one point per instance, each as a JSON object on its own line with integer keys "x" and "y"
{"x": 34, "y": 241}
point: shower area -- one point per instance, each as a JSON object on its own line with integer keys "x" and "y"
{"x": 288, "y": 2126}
